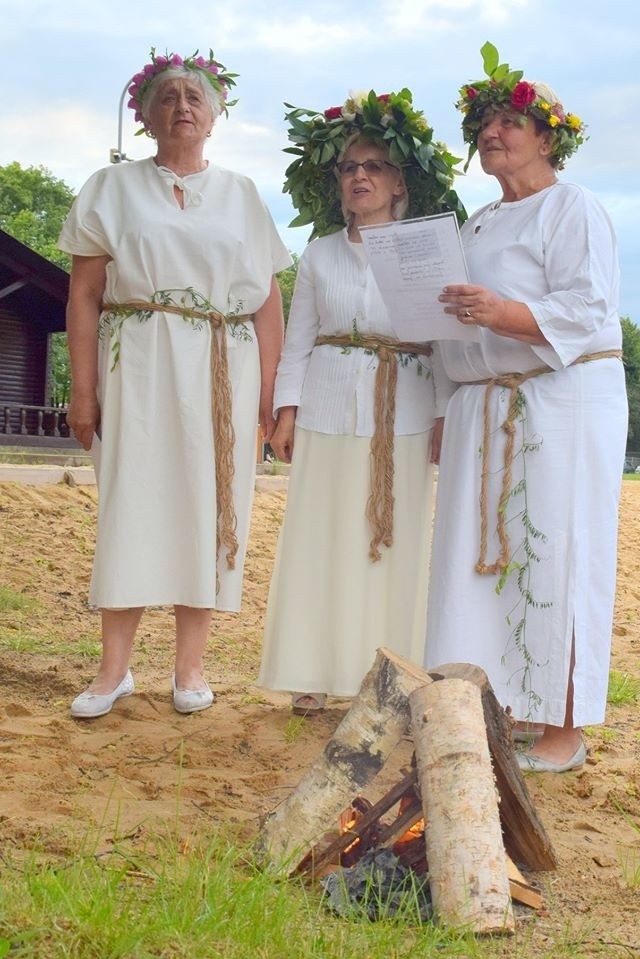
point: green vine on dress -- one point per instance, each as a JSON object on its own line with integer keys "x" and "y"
{"x": 404, "y": 359}
{"x": 521, "y": 566}
{"x": 112, "y": 320}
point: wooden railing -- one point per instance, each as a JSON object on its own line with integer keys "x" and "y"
{"x": 24, "y": 425}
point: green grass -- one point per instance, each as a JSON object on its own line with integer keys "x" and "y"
{"x": 630, "y": 857}
{"x": 12, "y": 601}
{"x": 48, "y": 644}
{"x": 206, "y": 899}
{"x": 210, "y": 902}
{"x": 294, "y": 728}
{"x": 624, "y": 689}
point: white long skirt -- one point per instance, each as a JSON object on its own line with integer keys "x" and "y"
{"x": 576, "y": 425}
{"x": 155, "y": 465}
{"x": 330, "y": 608}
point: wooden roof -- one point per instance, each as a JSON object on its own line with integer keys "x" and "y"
{"x": 31, "y": 287}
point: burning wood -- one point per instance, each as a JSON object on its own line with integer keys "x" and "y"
{"x": 468, "y": 866}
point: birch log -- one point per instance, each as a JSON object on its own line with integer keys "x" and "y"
{"x": 467, "y": 862}
{"x": 376, "y": 722}
{"x": 524, "y": 835}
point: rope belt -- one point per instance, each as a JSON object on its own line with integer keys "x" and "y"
{"x": 221, "y": 408}
{"x": 512, "y": 382}
{"x": 379, "y": 510}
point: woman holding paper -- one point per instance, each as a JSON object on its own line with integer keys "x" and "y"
{"x": 359, "y": 412}
{"x": 524, "y": 555}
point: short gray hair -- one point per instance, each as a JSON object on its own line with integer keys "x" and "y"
{"x": 213, "y": 98}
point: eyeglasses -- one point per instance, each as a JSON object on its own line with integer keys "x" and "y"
{"x": 370, "y": 167}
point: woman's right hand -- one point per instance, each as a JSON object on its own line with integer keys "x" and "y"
{"x": 282, "y": 440}
{"x": 83, "y": 418}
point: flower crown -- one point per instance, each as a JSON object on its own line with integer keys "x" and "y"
{"x": 214, "y": 72}
{"x": 390, "y": 119}
{"x": 506, "y": 88}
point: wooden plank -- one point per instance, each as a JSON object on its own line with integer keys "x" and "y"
{"x": 522, "y": 890}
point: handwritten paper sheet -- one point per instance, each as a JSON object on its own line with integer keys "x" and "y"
{"x": 412, "y": 260}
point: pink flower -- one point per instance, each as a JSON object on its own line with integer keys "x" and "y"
{"x": 161, "y": 62}
{"x": 200, "y": 62}
{"x": 523, "y": 94}
{"x": 212, "y": 68}
{"x": 133, "y": 103}
{"x": 176, "y": 60}
{"x": 333, "y": 113}
{"x": 149, "y": 70}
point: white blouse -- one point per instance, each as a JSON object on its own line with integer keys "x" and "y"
{"x": 333, "y": 387}
{"x": 556, "y": 252}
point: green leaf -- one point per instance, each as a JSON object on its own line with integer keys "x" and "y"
{"x": 303, "y": 218}
{"x": 490, "y": 58}
{"x": 328, "y": 152}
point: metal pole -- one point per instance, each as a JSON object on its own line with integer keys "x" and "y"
{"x": 115, "y": 154}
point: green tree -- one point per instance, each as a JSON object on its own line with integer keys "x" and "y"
{"x": 287, "y": 281}
{"x": 631, "y": 359}
{"x": 33, "y": 206}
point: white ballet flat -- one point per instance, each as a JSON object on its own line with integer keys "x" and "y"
{"x": 535, "y": 764}
{"x": 89, "y": 705}
{"x": 191, "y": 700}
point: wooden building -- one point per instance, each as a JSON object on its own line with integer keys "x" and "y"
{"x": 33, "y": 295}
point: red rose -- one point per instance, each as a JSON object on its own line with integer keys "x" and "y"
{"x": 384, "y": 97}
{"x": 333, "y": 113}
{"x": 472, "y": 93}
{"x": 523, "y": 94}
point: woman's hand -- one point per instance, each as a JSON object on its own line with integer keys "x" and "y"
{"x": 282, "y": 439}
{"x": 84, "y": 417}
{"x": 269, "y": 326}
{"x": 86, "y": 289}
{"x": 473, "y": 305}
{"x": 436, "y": 440}
{"x": 477, "y": 306}
{"x": 265, "y": 415}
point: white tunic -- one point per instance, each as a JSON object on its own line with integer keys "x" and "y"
{"x": 332, "y": 387}
{"x": 156, "y": 540}
{"x": 556, "y": 252}
{"x": 329, "y": 606}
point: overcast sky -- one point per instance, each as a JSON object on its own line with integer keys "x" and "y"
{"x": 65, "y": 64}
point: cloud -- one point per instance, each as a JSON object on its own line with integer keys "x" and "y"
{"x": 304, "y": 35}
{"x": 68, "y": 139}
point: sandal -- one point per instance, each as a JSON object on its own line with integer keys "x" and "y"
{"x": 304, "y": 704}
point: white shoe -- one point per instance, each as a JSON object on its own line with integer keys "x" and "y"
{"x": 191, "y": 700}
{"x": 536, "y": 764}
{"x": 89, "y": 705}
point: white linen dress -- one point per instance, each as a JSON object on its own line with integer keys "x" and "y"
{"x": 156, "y": 541}
{"x": 556, "y": 252}
{"x": 330, "y": 607}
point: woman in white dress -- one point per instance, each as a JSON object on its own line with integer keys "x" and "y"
{"x": 353, "y": 556}
{"x": 524, "y": 551}
{"x": 175, "y": 327}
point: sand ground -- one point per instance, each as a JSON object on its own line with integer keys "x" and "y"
{"x": 143, "y": 765}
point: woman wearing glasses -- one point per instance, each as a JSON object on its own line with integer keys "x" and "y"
{"x": 352, "y": 564}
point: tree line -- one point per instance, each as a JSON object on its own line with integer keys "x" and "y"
{"x": 34, "y": 203}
